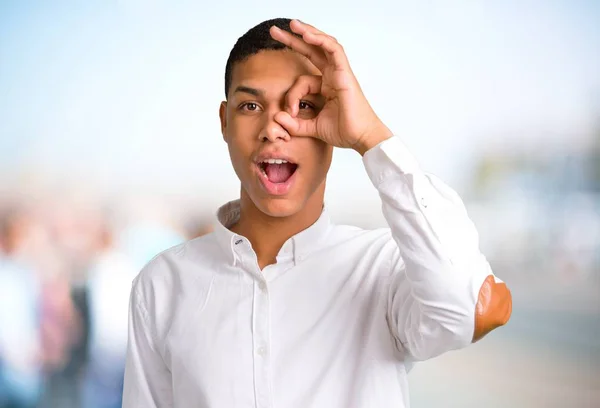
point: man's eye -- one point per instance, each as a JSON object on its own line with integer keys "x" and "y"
{"x": 305, "y": 105}
{"x": 249, "y": 106}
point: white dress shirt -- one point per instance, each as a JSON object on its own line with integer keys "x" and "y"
{"x": 336, "y": 322}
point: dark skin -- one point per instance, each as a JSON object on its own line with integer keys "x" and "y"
{"x": 296, "y": 104}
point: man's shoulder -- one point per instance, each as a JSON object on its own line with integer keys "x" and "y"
{"x": 352, "y": 233}
{"x": 375, "y": 246}
{"x": 178, "y": 264}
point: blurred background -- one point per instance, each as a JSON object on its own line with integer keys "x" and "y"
{"x": 110, "y": 152}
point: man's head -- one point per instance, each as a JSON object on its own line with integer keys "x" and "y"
{"x": 280, "y": 174}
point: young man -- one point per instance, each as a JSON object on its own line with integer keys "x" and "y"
{"x": 281, "y": 308}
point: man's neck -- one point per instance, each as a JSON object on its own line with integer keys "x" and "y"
{"x": 268, "y": 234}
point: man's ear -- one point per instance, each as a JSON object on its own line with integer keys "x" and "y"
{"x": 223, "y": 118}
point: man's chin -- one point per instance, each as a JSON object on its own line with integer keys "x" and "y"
{"x": 278, "y": 207}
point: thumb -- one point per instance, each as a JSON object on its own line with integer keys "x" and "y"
{"x": 297, "y": 126}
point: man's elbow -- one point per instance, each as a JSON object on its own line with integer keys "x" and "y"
{"x": 493, "y": 308}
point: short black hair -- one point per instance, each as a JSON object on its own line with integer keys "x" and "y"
{"x": 255, "y": 40}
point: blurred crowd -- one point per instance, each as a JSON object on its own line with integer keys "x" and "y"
{"x": 66, "y": 268}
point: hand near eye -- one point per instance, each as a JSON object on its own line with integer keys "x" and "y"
{"x": 347, "y": 119}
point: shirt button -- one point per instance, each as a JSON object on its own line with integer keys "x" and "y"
{"x": 262, "y": 286}
{"x": 261, "y": 351}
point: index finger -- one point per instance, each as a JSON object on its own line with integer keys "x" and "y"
{"x": 300, "y": 27}
{"x": 313, "y": 36}
{"x": 314, "y": 53}
{"x": 316, "y": 39}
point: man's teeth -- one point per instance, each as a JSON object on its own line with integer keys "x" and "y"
{"x": 274, "y": 161}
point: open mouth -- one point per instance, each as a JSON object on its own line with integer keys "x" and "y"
{"x": 277, "y": 170}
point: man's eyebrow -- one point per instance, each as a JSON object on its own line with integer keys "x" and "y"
{"x": 248, "y": 90}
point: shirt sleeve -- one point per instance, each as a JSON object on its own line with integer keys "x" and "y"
{"x": 147, "y": 381}
{"x": 443, "y": 294}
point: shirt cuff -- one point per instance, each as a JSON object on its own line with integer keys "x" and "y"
{"x": 389, "y": 156}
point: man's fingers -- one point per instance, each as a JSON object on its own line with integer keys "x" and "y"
{"x": 320, "y": 48}
{"x": 333, "y": 50}
{"x": 300, "y": 27}
{"x": 313, "y": 53}
{"x": 304, "y": 85}
{"x": 311, "y": 35}
{"x": 295, "y": 126}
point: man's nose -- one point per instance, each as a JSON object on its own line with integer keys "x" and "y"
{"x": 273, "y": 131}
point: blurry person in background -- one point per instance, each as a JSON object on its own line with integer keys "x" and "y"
{"x": 21, "y": 358}
{"x": 108, "y": 286}
{"x": 71, "y": 223}
{"x": 281, "y": 307}
{"x": 60, "y": 323}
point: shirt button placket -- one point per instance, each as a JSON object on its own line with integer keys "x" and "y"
{"x": 262, "y": 357}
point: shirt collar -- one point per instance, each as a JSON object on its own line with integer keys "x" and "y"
{"x": 297, "y": 247}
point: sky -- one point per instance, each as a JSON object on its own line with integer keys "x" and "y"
{"x": 127, "y": 92}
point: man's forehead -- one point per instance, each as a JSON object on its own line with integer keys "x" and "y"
{"x": 272, "y": 67}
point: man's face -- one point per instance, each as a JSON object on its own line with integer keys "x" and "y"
{"x": 278, "y": 172}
